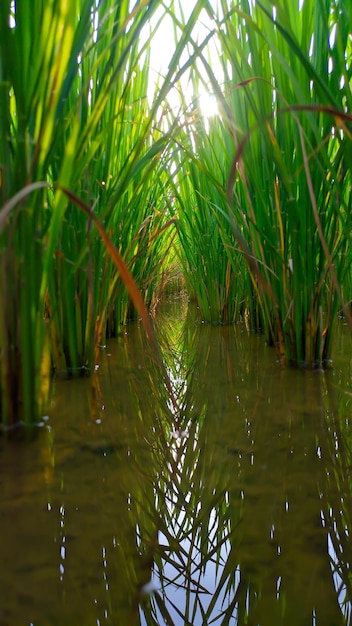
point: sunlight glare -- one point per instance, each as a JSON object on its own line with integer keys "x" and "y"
{"x": 12, "y": 18}
{"x": 208, "y": 104}
{"x": 161, "y": 50}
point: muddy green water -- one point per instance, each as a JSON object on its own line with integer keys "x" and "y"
{"x": 238, "y": 512}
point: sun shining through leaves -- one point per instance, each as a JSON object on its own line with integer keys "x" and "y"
{"x": 208, "y": 105}
{"x": 167, "y": 30}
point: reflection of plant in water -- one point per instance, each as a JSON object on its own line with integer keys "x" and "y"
{"x": 336, "y": 513}
{"x": 239, "y": 502}
{"x": 237, "y": 508}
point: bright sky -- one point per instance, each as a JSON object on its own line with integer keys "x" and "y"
{"x": 163, "y": 48}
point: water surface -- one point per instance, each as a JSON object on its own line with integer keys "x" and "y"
{"x": 235, "y": 510}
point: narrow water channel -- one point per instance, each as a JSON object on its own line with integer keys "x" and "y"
{"x": 237, "y": 511}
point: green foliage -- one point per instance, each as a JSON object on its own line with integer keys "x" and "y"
{"x": 280, "y": 151}
{"x": 75, "y": 118}
{"x": 100, "y": 180}
{"x": 212, "y": 274}
{"x": 38, "y": 56}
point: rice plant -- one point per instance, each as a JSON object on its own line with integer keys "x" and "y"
{"x": 37, "y": 57}
{"x": 83, "y": 161}
{"x": 282, "y": 143}
{"x": 98, "y": 178}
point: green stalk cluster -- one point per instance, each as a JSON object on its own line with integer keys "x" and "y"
{"x": 100, "y": 182}
{"x": 83, "y": 157}
{"x": 273, "y": 170}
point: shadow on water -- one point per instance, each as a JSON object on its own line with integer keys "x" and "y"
{"x": 237, "y": 512}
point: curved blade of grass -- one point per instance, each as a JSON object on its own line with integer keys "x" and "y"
{"x": 336, "y": 113}
{"x": 340, "y": 116}
{"x": 130, "y": 284}
{"x": 117, "y": 259}
{"x": 16, "y": 199}
{"x": 321, "y": 234}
